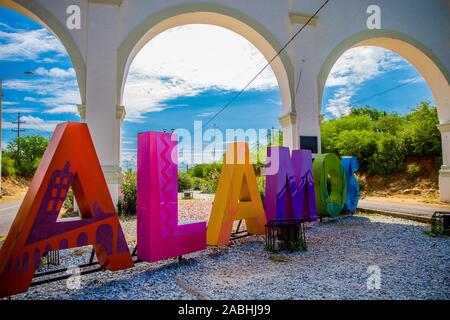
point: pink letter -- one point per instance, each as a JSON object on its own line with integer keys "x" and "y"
{"x": 159, "y": 236}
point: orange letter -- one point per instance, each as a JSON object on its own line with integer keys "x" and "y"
{"x": 70, "y": 160}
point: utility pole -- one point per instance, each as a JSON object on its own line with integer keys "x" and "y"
{"x": 18, "y": 130}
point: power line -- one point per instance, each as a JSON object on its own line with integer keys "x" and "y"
{"x": 385, "y": 91}
{"x": 299, "y": 78}
{"x": 267, "y": 65}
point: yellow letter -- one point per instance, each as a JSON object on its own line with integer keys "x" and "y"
{"x": 237, "y": 197}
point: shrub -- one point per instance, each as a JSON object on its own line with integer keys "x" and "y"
{"x": 361, "y": 144}
{"x": 7, "y": 165}
{"x": 68, "y": 204}
{"x": 413, "y": 171}
{"x": 261, "y": 181}
{"x": 26, "y": 153}
{"x": 421, "y": 132}
{"x": 185, "y": 181}
{"x": 389, "y": 156}
{"x": 127, "y": 204}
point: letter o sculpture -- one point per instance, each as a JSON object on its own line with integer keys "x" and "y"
{"x": 351, "y": 165}
{"x": 329, "y": 203}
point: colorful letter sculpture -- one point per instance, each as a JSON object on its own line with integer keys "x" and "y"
{"x": 351, "y": 165}
{"x": 290, "y": 189}
{"x": 159, "y": 236}
{"x": 328, "y": 171}
{"x": 70, "y": 160}
{"x": 237, "y": 197}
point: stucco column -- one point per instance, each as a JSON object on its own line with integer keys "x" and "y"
{"x": 308, "y": 110}
{"x": 102, "y": 112}
{"x": 444, "y": 173}
{"x": 289, "y": 124}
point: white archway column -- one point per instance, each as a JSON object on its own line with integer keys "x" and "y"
{"x": 289, "y": 124}
{"x": 102, "y": 111}
{"x": 307, "y": 106}
{"x": 444, "y": 173}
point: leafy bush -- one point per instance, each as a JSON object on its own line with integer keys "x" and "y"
{"x": 382, "y": 141}
{"x": 185, "y": 181}
{"x": 7, "y": 165}
{"x": 261, "y": 181}
{"x": 361, "y": 144}
{"x": 389, "y": 156}
{"x": 26, "y": 153}
{"x": 127, "y": 203}
{"x": 206, "y": 177}
{"x": 413, "y": 171}
{"x": 421, "y": 133}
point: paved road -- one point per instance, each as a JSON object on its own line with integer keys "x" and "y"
{"x": 8, "y": 211}
{"x": 401, "y": 207}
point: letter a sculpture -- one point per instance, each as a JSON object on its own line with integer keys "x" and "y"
{"x": 70, "y": 160}
{"x": 159, "y": 236}
{"x": 237, "y": 197}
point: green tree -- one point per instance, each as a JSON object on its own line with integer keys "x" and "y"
{"x": 359, "y": 143}
{"x": 185, "y": 181}
{"x": 331, "y": 130}
{"x": 422, "y": 137}
{"x": 372, "y": 113}
{"x": 7, "y": 165}
{"x": 388, "y": 157}
{"x": 26, "y": 152}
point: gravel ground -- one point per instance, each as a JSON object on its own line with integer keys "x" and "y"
{"x": 413, "y": 266}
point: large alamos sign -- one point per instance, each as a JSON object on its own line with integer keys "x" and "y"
{"x": 296, "y": 188}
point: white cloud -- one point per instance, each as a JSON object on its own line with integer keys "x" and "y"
{"x": 413, "y": 80}
{"x": 352, "y": 69}
{"x": 56, "y": 89}
{"x": 28, "y": 44}
{"x": 34, "y": 123}
{"x": 339, "y": 104}
{"x": 360, "y": 64}
{"x": 56, "y": 72}
{"x": 187, "y": 60}
{"x": 15, "y": 110}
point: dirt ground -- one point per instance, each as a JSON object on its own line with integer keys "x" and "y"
{"x": 14, "y": 188}
{"x": 422, "y": 187}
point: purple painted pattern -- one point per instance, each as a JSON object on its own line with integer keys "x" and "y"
{"x": 46, "y": 224}
{"x": 290, "y": 189}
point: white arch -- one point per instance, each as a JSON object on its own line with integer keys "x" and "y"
{"x": 213, "y": 14}
{"x": 427, "y": 64}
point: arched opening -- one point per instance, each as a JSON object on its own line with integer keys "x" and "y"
{"x": 230, "y": 19}
{"x": 217, "y": 15}
{"x": 428, "y": 68}
{"x": 40, "y": 90}
{"x": 184, "y": 75}
{"x": 37, "y": 13}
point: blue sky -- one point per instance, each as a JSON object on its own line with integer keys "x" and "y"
{"x": 194, "y": 71}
